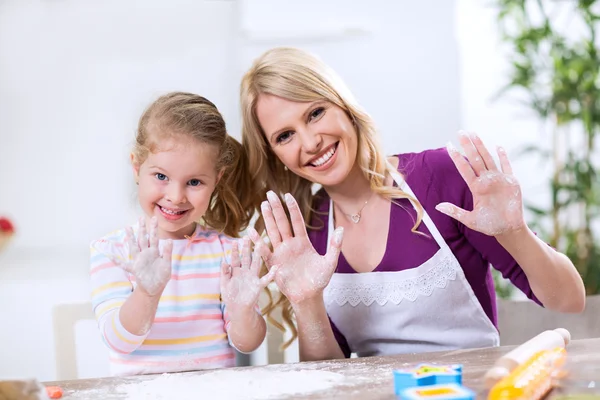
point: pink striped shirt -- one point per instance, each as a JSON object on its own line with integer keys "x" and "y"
{"x": 191, "y": 324}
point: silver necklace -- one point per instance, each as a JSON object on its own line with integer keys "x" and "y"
{"x": 356, "y": 217}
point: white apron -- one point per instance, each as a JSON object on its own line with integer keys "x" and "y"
{"x": 428, "y": 308}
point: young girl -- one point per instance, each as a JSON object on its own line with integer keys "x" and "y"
{"x": 164, "y": 295}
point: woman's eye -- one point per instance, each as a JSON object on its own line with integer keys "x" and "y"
{"x": 161, "y": 177}
{"x": 284, "y": 137}
{"x": 316, "y": 112}
{"x": 194, "y": 182}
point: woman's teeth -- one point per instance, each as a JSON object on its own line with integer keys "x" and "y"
{"x": 325, "y": 157}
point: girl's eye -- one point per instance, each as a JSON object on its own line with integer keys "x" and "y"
{"x": 194, "y": 182}
{"x": 283, "y": 137}
{"x": 161, "y": 177}
{"x": 316, "y": 113}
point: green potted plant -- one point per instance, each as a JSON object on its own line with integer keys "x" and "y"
{"x": 554, "y": 71}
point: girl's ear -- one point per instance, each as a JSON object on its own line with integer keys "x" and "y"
{"x": 136, "y": 168}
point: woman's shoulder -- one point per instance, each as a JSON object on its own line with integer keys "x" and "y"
{"x": 433, "y": 177}
{"x": 424, "y": 162}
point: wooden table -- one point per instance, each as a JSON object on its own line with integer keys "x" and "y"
{"x": 367, "y": 378}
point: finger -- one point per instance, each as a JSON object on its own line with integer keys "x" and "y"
{"x": 471, "y": 153}
{"x": 489, "y": 162}
{"x": 246, "y": 253}
{"x": 463, "y": 216}
{"x": 142, "y": 239}
{"x": 256, "y": 258}
{"x": 462, "y": 165}
{"x": 504, "y": 162}
{"x": 281, "y": 219}
{"x": 296, "y": 216}
{"x": 153, "y": 233}
{"x": 268, "y": 278}
{"x": 254, "y": 236}
{"x": 225, "y": 274}
{"x": 235, "y": 254}
{"x": 133, "y": 246}
{"x": 335, "y": 246}
{"x": 270, "y": 225}
{"x": 168, "y": 250}
{"x": 265, "y": 253}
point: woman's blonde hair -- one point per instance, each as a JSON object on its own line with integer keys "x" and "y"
{"x": 296, "y": 75}
{"x": 193, "y": 116}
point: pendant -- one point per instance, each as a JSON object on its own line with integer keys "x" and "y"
{"x": 355, "y": 218}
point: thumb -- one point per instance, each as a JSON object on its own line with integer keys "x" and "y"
{"x": 225, "y": 274}
{"x": 268, "y": 278}
{"x": 335, "y": 246}
{"x": 254, "y": 236}
{"x": 126, "y": 266}
{"x": 455, "y": 212}
{"x": 264, "y": 252}
{"x": 167, "y": 250}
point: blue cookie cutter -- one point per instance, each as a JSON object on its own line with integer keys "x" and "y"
{"x": 447, "y": 391}
{"x": 427, "y": 374}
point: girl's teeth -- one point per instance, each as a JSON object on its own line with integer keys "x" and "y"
{"x": 167, "y": 211}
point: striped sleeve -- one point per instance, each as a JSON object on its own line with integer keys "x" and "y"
{"x": 111, "y": 286}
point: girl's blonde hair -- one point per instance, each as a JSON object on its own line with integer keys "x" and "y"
{"x": 194, "y": 116}
{"x": 296, "y": 75}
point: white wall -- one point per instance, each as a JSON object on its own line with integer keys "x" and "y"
{"x": 74, "y": 77}
{"x": 399, "y": 58}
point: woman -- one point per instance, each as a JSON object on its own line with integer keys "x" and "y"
{"x": 419, "y": 230}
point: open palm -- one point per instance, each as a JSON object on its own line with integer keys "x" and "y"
{"x": 497, "y": 199}
{"x": 302, "y": 272}
{"x": 240, "y": 284}
{"x": 152, "y": 271}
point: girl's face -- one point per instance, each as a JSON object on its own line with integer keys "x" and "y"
{"x": 176, "y": 182}
{"x": 316, "y": 141}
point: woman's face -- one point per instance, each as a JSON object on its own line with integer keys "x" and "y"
{"x": 315, "y": 140}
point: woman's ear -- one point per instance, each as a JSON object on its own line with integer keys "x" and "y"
{"x": 136, "y": 168}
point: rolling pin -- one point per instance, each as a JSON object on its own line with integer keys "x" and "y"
{"x": 546, "y": 340}
{"x": 531, "y": 380}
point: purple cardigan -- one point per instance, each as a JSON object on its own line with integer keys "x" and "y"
{"x": 433, "y": 178}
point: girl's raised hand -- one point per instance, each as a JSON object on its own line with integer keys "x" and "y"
{"x": 240, "y": 284}
{"x": 152, "y": 270}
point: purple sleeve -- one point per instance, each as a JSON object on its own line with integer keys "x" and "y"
{"x": 452, "y": 188}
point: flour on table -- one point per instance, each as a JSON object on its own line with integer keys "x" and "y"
{"x": 225, "y": 385}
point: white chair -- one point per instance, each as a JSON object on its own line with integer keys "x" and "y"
{"x": 65, "y": 319}
{"x": 67, "y": 316}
